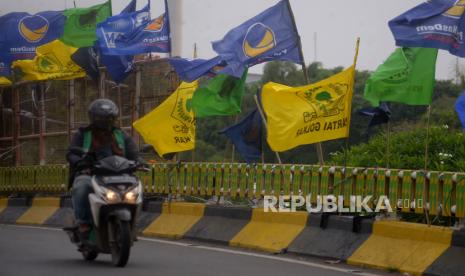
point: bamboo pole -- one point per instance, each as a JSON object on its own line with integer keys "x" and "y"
{"x": 319, "y": 146}
{"x": 264, "y": 123}
{"x": 427, "y": 136}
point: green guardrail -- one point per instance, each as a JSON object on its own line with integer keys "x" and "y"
{"x": 411, "y": 191}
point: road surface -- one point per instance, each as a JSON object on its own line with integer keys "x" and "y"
{"x": 47, "y": 251}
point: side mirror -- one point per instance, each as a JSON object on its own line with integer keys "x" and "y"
{"x": 146, "y": 148}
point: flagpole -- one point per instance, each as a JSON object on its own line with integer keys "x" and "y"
{"x": 354, "y": 64}
{"x": 194, "y": 55}
{"x": 427, "y": 137}
{"x": 264, "y": 123}
{"x": 388, "y": 146}
{"x": 319, "y": 146}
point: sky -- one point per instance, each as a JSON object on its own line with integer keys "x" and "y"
{"x": 331, "y": 25}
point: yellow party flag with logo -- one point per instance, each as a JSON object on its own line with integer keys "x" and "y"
{"x": 171, "y": 126}
{"x": 308, "y": 114}
{"x": 4, "y": 81}
{"x": 52, "y": 62}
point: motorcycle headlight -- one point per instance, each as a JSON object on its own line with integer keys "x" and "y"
{"x": 111, "y": 196}
{"x": 133, "y": 194}
{"x": 106, "y": 194}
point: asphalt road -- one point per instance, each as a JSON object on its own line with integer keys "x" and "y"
{"x": 40, "y": 251}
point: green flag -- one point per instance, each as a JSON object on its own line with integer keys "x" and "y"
{"x": 407, "y": 76}
{"x": 81, "y": 24}
{"x": 222, "y": 96}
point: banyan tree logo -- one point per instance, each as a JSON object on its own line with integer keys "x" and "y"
{"x": 324, "y": 101}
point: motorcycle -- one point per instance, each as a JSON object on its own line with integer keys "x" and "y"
{"x": 115, "y": 204}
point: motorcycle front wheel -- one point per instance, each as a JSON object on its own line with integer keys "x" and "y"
{"x": 121, "y": 246}
{"x": 89, "y": 255}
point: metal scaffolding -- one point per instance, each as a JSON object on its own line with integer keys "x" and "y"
{"x": 38, "y": 119}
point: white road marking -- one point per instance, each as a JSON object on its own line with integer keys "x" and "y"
{"x": 224, "y": 250}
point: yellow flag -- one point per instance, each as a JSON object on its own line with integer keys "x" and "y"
{"x": 308, "y": 114}
{"x": 52, "y": 62}
{"x": 4, "y": 81}
{"x": 171, "y": 126}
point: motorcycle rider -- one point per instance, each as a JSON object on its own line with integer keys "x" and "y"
{"x": 100, "y": 139}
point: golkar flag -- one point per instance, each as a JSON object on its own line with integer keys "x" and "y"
{"x": 434, "y": 24}
{"x": 52, "y": 62}
{"x": 171, "y": 126}
{"x": 308, "y": 114}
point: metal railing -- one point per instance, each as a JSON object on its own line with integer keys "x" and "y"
{"x": 410, "y": 191}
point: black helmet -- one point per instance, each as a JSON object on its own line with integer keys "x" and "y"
{"x": 103, "y": 113}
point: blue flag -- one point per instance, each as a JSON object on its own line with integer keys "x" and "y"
{"x": 271, "y": 35}
{"x": 131, "y": 7}
{"x": 21, "y": 33}
{"x": 247, "y": 137}
{"x": 433, "y": 24}
{"x": 119, "y": 67}
{"x": 379, "y": 115}
{"x": 134, "y": 33}
{"x": 190, "y": 70}
{"x": 460, "y": 109}
{"x": 5, "y": 63}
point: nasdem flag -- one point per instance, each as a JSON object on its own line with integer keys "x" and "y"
{"x": 271, "y": 35}
{"x": 433, "y": 24}
{"x": 190, "y": 70}
{"x": 134, "y": 33}
{"x": 21, "y": 33}
{"x": 308, "y": 114}
{"x": 171, "y": 126}
{"x": 118, "y": 66}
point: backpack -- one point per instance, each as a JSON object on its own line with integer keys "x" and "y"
{"x": 86, "y": 145}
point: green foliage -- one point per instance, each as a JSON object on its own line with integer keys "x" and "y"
{"x": 446, "y": 150}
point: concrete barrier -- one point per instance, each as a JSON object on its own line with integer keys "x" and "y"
{"x": 452, "y": 261}
{"x": 3, "y": 204}
{"x": 271, "y": 232}
{"x": 337, "y": 237}
{"x": 402, "y": 246}
{"x": 220, "y": 224}
{"x": 151, "y": 210}
{"x": 63, "y": 216}
{"x": 175, "y": 220}
{"x": 41, "y": 209}
{"x": 15, "y": 208}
